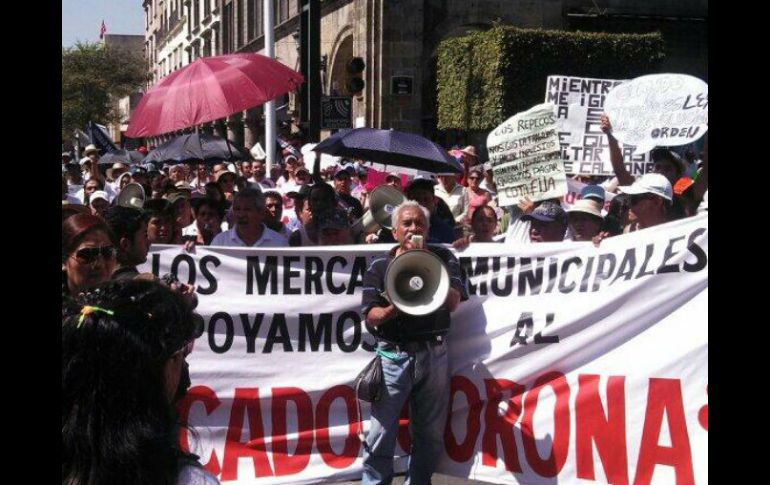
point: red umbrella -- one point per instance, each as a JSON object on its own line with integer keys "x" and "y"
{"x": 208, "y": 89}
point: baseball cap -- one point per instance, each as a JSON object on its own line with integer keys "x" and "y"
{"x": 547, "y": 211}
{"x": 650, "y": 183}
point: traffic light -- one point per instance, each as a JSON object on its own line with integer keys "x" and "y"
{"x": 355, "y": 83}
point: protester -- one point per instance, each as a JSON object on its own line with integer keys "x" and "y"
{"x": 483, "y": 228}
{"x": 415, "y": 360}
{"x": 274, "y": 214}
{"x": 249, "y": 230}
{"x": 160, "y": 221}
{"x": 650, "y": 200}
{"x": 350, "y": 204}
{"x": 208, "y": 221}
{"x": 129, "y": 229}
{"x": 123, "y": 352}
{"x": 88, "y": 253}
{"x": 548, "y": 222}
{"x": 584, "y": 219}
{"x": 476, "y": 196}
{"x": 455, "y": 196}
{"x": 99, "y": 202}
{"x": 334, "y": 228}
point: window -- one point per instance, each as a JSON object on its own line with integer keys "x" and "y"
{"x": 196, "y": 16}
{"x": 227, "y": 22}
{"x": 281, "y": 11}
{"x": 239, "y": 30}
{"x": 206, "y": 8}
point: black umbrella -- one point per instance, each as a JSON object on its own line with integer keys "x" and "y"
{"x": 390, "y": 147}
{"x": 196, "y": 147}
{"x": 127, "y": 157}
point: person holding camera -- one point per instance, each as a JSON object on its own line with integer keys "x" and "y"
{"x": 413, "y": 352}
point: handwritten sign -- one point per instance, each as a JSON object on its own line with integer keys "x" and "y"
{"x": 526, "y": 157}
{"x": 658, "y": 110}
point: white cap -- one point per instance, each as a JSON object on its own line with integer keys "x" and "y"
{"x": 98, "y": 194}
{"x": 650, "y": 183}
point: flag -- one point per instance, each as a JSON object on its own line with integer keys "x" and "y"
{"x": 103, "y": 30}
{"x": 100, "y": 138}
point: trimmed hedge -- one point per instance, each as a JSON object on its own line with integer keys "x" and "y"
{"x": 486, "y": 77}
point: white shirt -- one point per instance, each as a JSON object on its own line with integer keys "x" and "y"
{"x": 269, "y": 239}
{"x": 456, "y": 199}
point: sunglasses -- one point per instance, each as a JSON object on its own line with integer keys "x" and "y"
{"x": 89, "y": 255}
{"x": 635, "y": 199}
{"x": 473, "y": 178}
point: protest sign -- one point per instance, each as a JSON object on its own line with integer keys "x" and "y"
{"x": 526, "y": 158}
{"x": 579, "y": 106}
{"x": 658, "y": 110}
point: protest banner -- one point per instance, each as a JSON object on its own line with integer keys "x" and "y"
{"x": 526, "y": 158}
{"x": 658, "y": 110}
{"x": 579, "y": 106}
{"x": 569, "y": 362}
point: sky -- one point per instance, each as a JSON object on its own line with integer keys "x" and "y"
{"x": 82, "y": 19}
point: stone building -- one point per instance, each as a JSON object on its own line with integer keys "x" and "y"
{"x": 398, "y": 41}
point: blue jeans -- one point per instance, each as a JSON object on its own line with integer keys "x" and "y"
{"x": 422, "y": 377}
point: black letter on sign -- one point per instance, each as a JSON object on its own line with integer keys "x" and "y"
{"x": 250, "y": 330}
{"x": 550, "y": 339}
{"x": 357, "y": 274}
{"x": 314, "y": 270}
{"x": 263, "y": 276}
{"x": 356, "y": 331}
{"x": 525, "y": 324}
{"x": 668, "y": 254}
{"x": 229, "y": 332}
{"x": 278, "y": 333}
{"x": 335, "y": 290}
{"x": 204, "y": 262}
{"x": 288, "y": 274}
{"x": 697, "y": 251}
{"x": 190, "y": 267}
{"x": 307, "y": 329}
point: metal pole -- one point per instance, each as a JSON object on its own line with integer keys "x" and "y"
{"x": 270, "y": 105}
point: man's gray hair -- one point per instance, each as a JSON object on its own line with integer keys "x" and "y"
{"x": 249, "y": 193}
{"x": 407, "y": 205}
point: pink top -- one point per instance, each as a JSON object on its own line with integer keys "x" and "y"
{"x": 475, "y": 201}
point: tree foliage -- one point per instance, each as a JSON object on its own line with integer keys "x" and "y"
{"x": 94, "y": 77}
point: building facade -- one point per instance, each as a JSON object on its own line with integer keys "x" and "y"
{"x": 398, "y": 40}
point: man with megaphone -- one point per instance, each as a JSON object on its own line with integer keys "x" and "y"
{"x": 407, "y": 300}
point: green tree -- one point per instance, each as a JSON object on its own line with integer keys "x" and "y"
{"x": 93, "y": 77}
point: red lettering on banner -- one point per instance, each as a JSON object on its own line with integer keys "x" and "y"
{"x": 284, "y": 463}
{"x": 352, "y": 443}
{"x": 210, "y": 401}
{"x": 608, "y": 432}
{"x": 703, "y": 414}
{"x": 245, "y": 399}
{"x": 551, "y": 466}
{"x": 502, "y": 426}
{"x": 462, "y": 452}
{"x": 664, "y": 397}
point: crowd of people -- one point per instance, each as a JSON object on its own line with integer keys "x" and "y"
{"x": 125, "y": 334}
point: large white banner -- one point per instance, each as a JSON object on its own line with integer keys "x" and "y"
{"x": 584, "y": 148}
{"x": 571, "y": 363}
{"x": 525, "y": 156}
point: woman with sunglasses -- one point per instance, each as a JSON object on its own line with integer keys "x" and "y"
{"x": 88, "y": 253}
{"x": 128, "y": 341}
{"x": 477, "y": 196}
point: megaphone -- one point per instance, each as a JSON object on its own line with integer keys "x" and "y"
{"x": 382, "y": 203}
{"x": 131, "y": 196}
{"x": 417, "y": 282}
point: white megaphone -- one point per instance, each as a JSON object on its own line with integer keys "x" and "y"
{"x": 382, "y": 203}
{"x": 132, "y": 196}
{"x": 417, "y": 282}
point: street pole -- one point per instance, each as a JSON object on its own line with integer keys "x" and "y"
{"x": 270, "y": 105}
